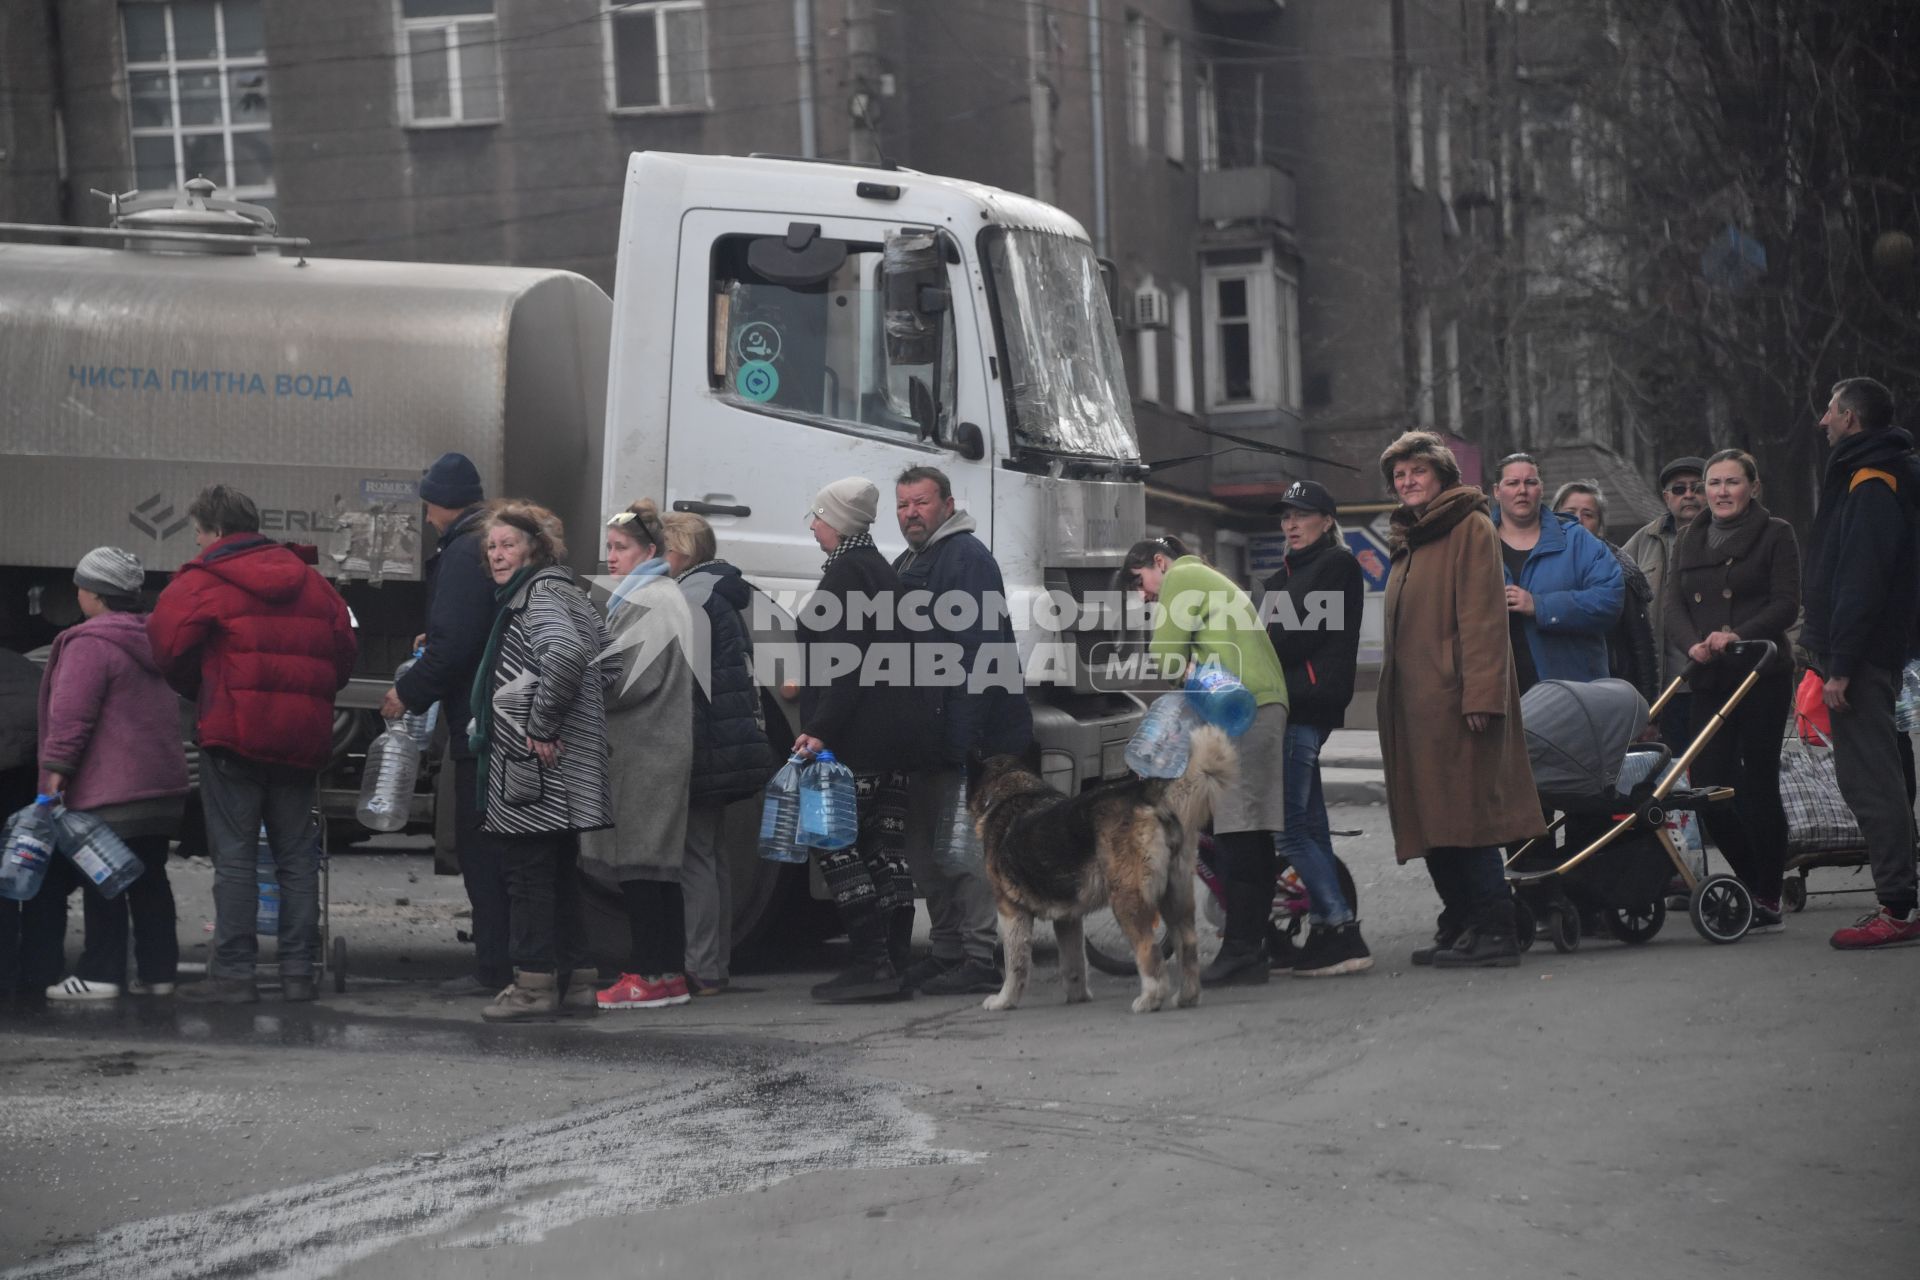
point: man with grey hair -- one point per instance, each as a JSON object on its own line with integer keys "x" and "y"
{"x": 1684, "y": 491}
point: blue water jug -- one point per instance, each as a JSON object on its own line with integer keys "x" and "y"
{"x": 99, "y": 852}
{"x": 266, "y": 874}
{"x": 1221, "y": 700}
{"x": 780, "y": 815}
{"x": 421, "y": 724}
{"x": 30, "y": 841}
{"x": 1159, "y": 747}
{"x": 829, "y": 815}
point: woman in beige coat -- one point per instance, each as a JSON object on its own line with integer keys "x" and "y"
{"x": 1458, "y": 783}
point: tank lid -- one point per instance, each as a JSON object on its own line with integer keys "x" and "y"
{"x": 196, "y": 209}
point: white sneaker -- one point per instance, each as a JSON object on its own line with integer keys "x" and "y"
{"x": 81, "y": 989}
{"x": 141, "y": 987}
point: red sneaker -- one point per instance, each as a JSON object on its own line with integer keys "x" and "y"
{"x": 633, "y": 991}
{"x": 1880, "y": 929}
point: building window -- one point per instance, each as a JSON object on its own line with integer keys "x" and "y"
{"x": 1137, "y": 80}
{"x": 1450, "y": 351}
{"x": 451, "y": 71}
{"x": 1417, "y": 130}
{"x": 1206, "y": 110}
{"x": 657, "y": 56}
{"x": 1181, "y": 310}
{"x": 1252, "y": 315}
{"x": 197, "y": 96}
{"x": 1175, "y": 118}
{"x": 1423, "y": 393}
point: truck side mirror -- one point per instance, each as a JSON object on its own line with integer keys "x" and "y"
{"x": 970, "y": 442}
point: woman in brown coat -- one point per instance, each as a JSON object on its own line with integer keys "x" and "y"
{"x": 1458, "y": 783}
{"x": 1736, "y": 576}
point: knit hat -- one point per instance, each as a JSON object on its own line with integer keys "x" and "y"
{"x": 452, "y": 481}
{"x": 109, "y": 571}
{"x": 847, "y": 505}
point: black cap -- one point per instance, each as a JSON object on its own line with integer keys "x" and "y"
{"x": 1696, "y": 465}
{"x": 1305, "y": 495}
{"x": 452, "y": 481}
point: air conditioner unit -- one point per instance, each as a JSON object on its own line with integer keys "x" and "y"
{"x": 1149, "y": 308}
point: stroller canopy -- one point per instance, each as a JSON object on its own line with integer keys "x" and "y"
{"x": 1578, "y": 734}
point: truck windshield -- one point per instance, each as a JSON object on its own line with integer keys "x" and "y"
{"x": 1066, "y": 387}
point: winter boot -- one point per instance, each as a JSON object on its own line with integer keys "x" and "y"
{"x": 1488, "y": 944}
{"x": 583, "y": 992}
{"x": 532, "y": 997}
{"x": 900, "y": 937}
{"x": 1446, "y": 932}
{"x": 1243, "y": 955}
{"x": 871, "y": 976}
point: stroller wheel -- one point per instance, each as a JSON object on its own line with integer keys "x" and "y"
{"x": 1637, "y": 925}
{"x": 1722, "y": 909}
{"x": 1563, "y": 927}
{"x": 1793, "y": 892}
{"x": 1524, "y": 925}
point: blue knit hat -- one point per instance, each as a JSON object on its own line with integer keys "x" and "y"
{"x": 452, "y": 481}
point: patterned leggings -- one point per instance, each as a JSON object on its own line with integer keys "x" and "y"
{"x": 871, "y": 874}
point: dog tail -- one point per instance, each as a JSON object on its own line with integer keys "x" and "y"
{"x": 1213, "y": 765}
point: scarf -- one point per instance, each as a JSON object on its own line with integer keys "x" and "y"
{"x": 1410, "y": 528}
{"x": 480, "y": 733}
{"x": 642, "y": 573}
{"x": 847, "y": 543}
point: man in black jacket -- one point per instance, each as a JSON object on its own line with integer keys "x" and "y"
{"x": 459, "y": 616}
{"x": 1862, "y": 600}
{"x": 1313, "y": 609}
{"x": 986, "y": 712}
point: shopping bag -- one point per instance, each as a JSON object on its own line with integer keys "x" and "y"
{"x": 1906, "y": 704}
{"x": 1683, "y": 827}
{"x": 1818, "y": 820}
{"x": 1810, "y": 716}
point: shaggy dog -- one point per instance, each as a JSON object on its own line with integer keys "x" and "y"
{"x": 1130, "y": 844}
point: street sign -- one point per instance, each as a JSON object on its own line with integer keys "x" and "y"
{"x": 1372, "y": 555}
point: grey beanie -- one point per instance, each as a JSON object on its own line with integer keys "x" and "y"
{"x": 848, "y": 505}
{"x": 109, "y": 571}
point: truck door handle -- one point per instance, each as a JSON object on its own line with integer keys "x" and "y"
{"x": 694, "y": 507}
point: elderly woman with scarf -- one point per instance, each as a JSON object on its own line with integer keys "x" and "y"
{"x": 1458, "y": 782}
{"x": 650, "y": 732}
{"x": 540, "y": 733}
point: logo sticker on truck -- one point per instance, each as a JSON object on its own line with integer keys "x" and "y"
{"x": 757, "y": 381}
{"x": 155, "y": 518}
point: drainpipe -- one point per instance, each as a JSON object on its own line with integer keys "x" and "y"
{"x": 1096, "y": 78}
{"x": 803, "y": 55}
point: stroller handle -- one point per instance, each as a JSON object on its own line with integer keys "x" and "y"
{"x": 1760, "y": 651}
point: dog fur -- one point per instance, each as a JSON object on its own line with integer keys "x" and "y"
{"x": 1129, "y": 844}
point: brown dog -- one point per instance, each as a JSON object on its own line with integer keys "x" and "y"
{"x": 1129, "y": 844}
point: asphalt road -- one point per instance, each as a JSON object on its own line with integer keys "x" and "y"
{"x": 1674, "y": 1110}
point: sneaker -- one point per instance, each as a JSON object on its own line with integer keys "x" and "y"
{"x": 967, "y": 978}
{"x": 81, "y": 989}
{"x": 1331, "y": 950}
{"x": 221, "y": 991}
{"x": 1767, "y": 917}
{"x": 1281, "y": 953}
{"x": 1879, "y": 928}
{"x": 925, "y": 970}
{"x": 298, "y": 990}
{"x": 635, "y": 991}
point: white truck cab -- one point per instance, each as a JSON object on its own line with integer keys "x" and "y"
{"x": 780, "y": 324}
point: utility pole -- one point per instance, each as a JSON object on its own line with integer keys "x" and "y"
{"x": 863, "y": 84}
{"x": 1040, "y": 101}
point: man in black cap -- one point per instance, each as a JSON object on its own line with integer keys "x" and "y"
{"x": 1685, "y": 494}
{"x": 459, "y": 617}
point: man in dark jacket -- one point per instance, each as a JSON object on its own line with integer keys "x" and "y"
{"x": 459, "y": 618}
{"x": 1316, "y": 633}
{"x": 1861, "y": 599}
{"x": 263, "y": 643}
{"x": 985, "y": 710}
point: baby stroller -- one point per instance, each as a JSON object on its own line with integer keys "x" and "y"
{"x": 1586, "y": 764}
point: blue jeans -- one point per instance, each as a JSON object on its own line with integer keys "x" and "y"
{"x": 238, "y": 796}
{"x": 1307, "y": 843}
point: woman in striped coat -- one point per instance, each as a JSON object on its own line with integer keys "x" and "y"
{"x": 540, "y": 732}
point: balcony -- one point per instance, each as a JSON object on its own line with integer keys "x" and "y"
{"x": 1258, "y": 194}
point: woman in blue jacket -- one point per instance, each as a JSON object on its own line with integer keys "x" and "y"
{"x": 1564, "y": 589}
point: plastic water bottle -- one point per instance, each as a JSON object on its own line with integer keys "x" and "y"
{"x": 419, "y": 724}
{"x": 266, "y": 873}
{"x": 30, "y": 841}
{"x": 1221, "y": 700}
{"x": 1159, "y": 747}
{"x": 99, "y": 852}
{"x": 829, "y": 816}
{"x": 780, "y": 815}
{"x": 386, "y": 785}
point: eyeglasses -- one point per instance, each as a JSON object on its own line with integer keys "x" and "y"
{"x": 1681, "y": 488}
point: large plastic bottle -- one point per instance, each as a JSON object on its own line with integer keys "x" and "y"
{"x": 1160, "y": 746}
{"x": 1221, "y": 700}
{"x": 99, "y": 852}
{"x": 266, "y": 874}
{"x": 30, "y": 841}
{"x": 829, "y": 816}
{"x": 780, "y": 815}
{"x": 419, "y": 724}
{"x": 386, "y": 785}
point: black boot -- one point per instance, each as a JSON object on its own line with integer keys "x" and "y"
{"x": 871, "y": 976}
{"x": 1243, "y": 955}
{"x": 1446, "y": 932}
{"x": 900, "y": 937}
{"x": 1488, "y": 944}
